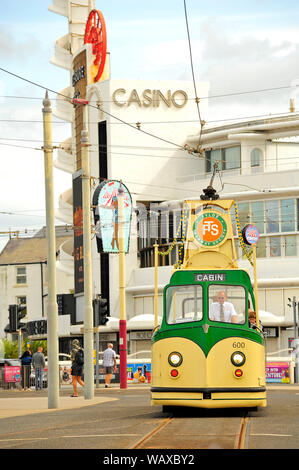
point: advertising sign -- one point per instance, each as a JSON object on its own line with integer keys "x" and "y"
{"x": 78, "y": 233}
{"x": 106, "y": 215}
{"x": 95, "y": 34}
{"x": 210, "y": 229}
{"x": 12, "y": 374}
{"x": 278, "y": 372}
{"x": 250, "y": 234}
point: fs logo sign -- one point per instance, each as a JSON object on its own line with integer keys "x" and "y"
{"x": 210, "y": 229}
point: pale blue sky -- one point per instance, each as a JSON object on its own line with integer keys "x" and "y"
{"x": 237, "y": 46}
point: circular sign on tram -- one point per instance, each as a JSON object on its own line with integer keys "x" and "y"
{"x": 210, "y": 229}
{"x": 250, "y": 234}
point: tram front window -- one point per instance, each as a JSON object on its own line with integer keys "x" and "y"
{"x": 183, "y": 304}
{"x": 227, "y": 304}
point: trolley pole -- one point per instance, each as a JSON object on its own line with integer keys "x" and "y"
{"x": 52, "y": 314}
{"x": 122, "y": 293}
{"x": 156, "y": 284}
{"x": 88, "y": 311}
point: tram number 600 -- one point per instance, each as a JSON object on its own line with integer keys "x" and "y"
{"x": 238, "y": 345}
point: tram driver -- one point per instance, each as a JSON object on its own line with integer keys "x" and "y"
{"x": 221, "y": 310}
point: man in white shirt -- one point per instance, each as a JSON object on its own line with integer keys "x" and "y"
{"x": 109, "y": 362}
{"x": 221, "y": 310}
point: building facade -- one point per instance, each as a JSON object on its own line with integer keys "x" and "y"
{"x": 141, "y": 132}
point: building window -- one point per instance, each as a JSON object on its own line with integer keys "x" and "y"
{"x": 287, "y": 215}
{"x": 229, "y": 158}
{"x": 256, "y": 160}
{"x": 290, "y": 245}
{"x": 272, "y": 216}
{"x": 21, "y": 275}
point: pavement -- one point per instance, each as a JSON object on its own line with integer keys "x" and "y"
{"x": 15, "y": 403}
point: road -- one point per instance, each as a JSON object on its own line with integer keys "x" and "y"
{"x": 123, "y": 421}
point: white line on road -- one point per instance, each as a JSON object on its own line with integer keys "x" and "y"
{"x": 277, "y": 435}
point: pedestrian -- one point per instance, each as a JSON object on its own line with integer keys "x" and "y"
{"x": 26, "y": 360}
{"x": 77, "y": 358}
{"x": 109, "y": 362}
{"x": 38, "y": 363}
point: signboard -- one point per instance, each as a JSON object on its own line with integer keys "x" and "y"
{"x": 12, "y": 374}
{"x": 78, "y": 233}
{"x": 106, "y": 214}
{"x": 278, "y": 372}
{"x": 139, "y": 372}
{"x": 250, "y": 234}
{"x": 210, "y": 229}
{"x": 95, "y": 34}
{"x": 210, "y": 277}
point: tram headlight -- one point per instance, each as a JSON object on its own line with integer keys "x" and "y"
{"x": 238, "y": 358}
{"x": 175, "y": 359}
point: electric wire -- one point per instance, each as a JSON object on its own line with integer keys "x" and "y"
{"x": 192, "y": 70}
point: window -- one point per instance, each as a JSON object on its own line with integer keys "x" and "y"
{"x": 256, "y": 160}
{"x": 257, "y": 215}
{"x": 287, "y": 215}
{"x": 229, "y": 301}
{"x": 21, "y": 275}
{"x": 183, "y": 304}
{"x": 229, "y": 158}
{"x": 272, "y": 216}
{"x": 290, "y": 245}
{"x": 275, "y": 246}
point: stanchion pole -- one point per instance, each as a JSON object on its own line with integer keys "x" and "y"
{"x": 122, "y": 292}
{"x": 255, "y": 287}
{"x": 52, "y": 313}
{"x": 88, "y": 311}
{"x": 156, "y": 284}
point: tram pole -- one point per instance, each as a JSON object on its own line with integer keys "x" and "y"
{"x": 88, "y": 310}
{"x": 295, "y": 339}
{"x": 255, "y": 286}
{"x": 156, "y": 284}
{"x": 52, "y": 310}
{"x": 122, "y": 293}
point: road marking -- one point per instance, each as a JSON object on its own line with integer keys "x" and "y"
{"x": 277, "y": 435}
{"x": 25, "y": 439}
{"x": 101, "y": 435}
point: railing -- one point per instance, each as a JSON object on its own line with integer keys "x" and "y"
{"x": 147, "y": 255}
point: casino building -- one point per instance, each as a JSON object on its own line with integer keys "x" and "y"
{"x": 146, "y": 133}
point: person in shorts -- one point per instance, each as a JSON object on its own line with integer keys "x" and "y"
{"x": 109, "y": 362}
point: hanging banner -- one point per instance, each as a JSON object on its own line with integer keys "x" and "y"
{"x": 106, "y": 215}
{"x": 78, "y": 233}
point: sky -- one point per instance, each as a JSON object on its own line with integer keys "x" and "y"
{"x": 237, "y": 46}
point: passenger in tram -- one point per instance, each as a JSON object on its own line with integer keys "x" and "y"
{"x": 222, "y": 310}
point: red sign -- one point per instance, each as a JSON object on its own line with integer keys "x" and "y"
{"x": 95, "y": 34}
{"x": 12, "y": 374}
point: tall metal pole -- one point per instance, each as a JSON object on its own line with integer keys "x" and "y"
{"x": 52, "y": 311}
{"x": 122, "y": 292}
{"x": 296, "y": 340}
{"x": 255, "y": 286}
{"x": 88, "y": 311}
{"x": 156, "y": 284}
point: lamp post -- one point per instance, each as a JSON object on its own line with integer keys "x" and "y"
{"x": 52, "y": 313}
{"x": 88, "y": 311}
{"x": 122, "y": 293}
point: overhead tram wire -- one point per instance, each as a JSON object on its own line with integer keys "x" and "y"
{"x": 193, "y": 77}
{"x": 95, "y": 107}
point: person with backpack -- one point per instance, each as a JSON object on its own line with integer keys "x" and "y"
{"x": 77, "y": 358}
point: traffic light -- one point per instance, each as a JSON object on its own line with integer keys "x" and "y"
{"x": 100, "y": 311}
{"x": 13, "y": 311}
{"x": 21, "y": 313}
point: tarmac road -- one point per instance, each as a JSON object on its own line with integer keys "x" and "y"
{"x": 117, "y": 419}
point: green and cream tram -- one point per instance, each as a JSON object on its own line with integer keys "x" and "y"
{"x": 206, "y": 353}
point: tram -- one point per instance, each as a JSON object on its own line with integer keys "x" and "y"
{"x": 206, "y": 353}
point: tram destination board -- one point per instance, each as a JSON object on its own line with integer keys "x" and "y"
{"x": 209, "y": 277}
